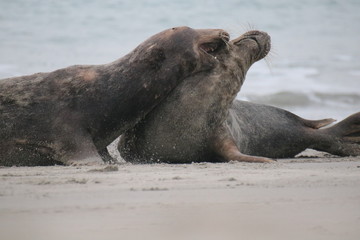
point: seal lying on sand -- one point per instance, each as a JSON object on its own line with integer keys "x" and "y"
{"x": 268, "y": 131}
{"x": 188, "y": 125}
{"x": 75, "y": 112}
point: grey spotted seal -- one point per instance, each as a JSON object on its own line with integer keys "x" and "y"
{"x": 73, "y": 113}
{"x": 188, "y": 125}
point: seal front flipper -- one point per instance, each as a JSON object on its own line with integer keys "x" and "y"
{"x": 79, "y": 149}
{"x": 106, "y": 157}
{"x": 223, "y": 145}
{"x": 342, "y": 139}
{"x": 84, "y": 156}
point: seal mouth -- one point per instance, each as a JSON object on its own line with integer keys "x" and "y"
{"x": 212, "y": 47}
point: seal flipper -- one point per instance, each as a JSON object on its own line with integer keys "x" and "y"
{"x": 343, "y": 138}
{"x": 80, "y": 149}
{"x": 316, "y": 124}
{"x": 106, "y": 157}
{"x": 223, "y": 145}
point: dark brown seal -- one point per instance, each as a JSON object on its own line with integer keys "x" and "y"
{"x": 75, "y": 112}
{"x": 268, "y": 131}
{"x": 188, "y": 125}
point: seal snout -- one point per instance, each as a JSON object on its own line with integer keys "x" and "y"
{"x": 224, "y": 36}
{"x": 262, "y": 40}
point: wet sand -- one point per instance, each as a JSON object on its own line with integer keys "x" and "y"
{"x": 302, "y": 198}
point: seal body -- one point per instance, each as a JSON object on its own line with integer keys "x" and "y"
{"x": 268, "y": 131}
{"x": 186, "y": 126}
{"x": 74, "y": 113}
{"x": 199, "y": 121}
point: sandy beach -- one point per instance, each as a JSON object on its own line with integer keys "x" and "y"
{"x": 302, "y": 198}
{"x": 313, "y": 70}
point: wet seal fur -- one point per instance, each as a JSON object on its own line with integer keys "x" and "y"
{"x": 188, "y": 125}
{"x": 72, "y": 114}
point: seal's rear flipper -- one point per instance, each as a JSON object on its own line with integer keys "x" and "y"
{"x": 225, "y": 148}
{"x": 343, "y": 138}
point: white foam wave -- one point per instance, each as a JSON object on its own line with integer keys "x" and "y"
{"x": 300, "y": 89}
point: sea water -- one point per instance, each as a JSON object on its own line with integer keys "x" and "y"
{"x": 313, "y": 69}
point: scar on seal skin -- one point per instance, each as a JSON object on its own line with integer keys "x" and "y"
{"x": 72, "y": 114}
{"x": 188, "y": 125}
{"x": 263, "y": 130}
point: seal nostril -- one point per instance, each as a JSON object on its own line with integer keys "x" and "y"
{"x": 225, "y": 36}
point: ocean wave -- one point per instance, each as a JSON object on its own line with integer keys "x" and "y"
{"x": 302, "y": 99}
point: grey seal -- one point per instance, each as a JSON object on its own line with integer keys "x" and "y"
{"x": 188, "y": 125}
{"x": 72, "y": 114}
{"x": 268, "y": 131}
{"x": 200, "y": 122}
